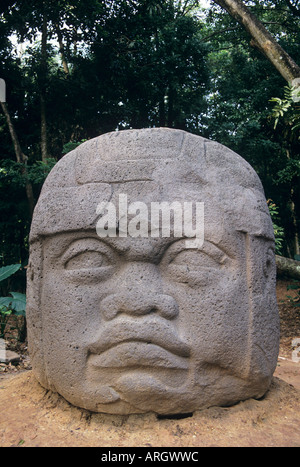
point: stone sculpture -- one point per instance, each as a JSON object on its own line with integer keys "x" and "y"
{"x": 125, "y": 323}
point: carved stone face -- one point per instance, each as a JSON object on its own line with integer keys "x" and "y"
{"x": 132, "y": 325}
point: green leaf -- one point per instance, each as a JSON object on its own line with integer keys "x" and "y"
{"x": 17, "y": 302}
{"x": 7, "y": 271}
{"x": 4, "y": 312}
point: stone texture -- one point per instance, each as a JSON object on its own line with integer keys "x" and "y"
{"x": 8, "y": 356}
{"x": 133, "y": 325}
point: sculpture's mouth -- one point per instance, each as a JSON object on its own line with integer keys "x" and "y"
{"x": 136, "y": 354}
{"x": 146, "y": 342}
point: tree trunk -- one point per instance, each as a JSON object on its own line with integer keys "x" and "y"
{"x": 62, "y": 49}
{"x": 44, "y": 145}
{"x": 296, "y": 237}
{"x": 288, "y": 267}
{"x": 262, "y": 39}
{"x": 294, "y": 217}
{"x": 20, "y": 156}
{"x": 43, "y": 78}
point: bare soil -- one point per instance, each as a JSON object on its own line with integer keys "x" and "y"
{"x": 30, "y": 416}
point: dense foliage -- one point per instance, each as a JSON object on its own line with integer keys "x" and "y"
{"x": 75, "y": 69}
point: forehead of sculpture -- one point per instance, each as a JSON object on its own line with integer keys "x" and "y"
{"x": 160, "y": 154}
{"x": 151, "y": 165}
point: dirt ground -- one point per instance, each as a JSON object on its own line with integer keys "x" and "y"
{"x": 33, "y": 417}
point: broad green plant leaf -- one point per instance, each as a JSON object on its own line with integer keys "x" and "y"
{"x": 7, "y": 271}
{"x": 17, "y": 302}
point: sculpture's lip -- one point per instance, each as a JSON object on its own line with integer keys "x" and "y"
{"x": 136, "y": 354}
{"x": 153, "y": 334}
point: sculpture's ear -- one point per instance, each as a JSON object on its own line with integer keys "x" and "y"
{"x": 263, "y": 337}
{"x": 33, "y": 311}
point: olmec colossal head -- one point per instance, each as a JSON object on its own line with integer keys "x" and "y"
{"x": 151, "y": 283}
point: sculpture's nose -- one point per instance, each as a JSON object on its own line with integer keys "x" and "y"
{"x": 140, "y": 293}
{"x": 138, "y": 305}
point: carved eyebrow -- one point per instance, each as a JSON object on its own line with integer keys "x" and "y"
{"x": 64, "y": 240}
{"x": 160, "y": 248}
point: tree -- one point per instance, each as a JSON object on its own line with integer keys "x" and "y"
{"x": 20, "y": 156}
{"x": 287, "y": 112}
{"x": 86, "y": 67}
{"x": 262, "y": 39}
{"x": 240, "y": 112}
{"x": 288, "y": 267}
{"x": 96, "y": 66}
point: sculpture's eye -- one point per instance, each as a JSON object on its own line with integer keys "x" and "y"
{"x": 194, "y": 259}
{"x": 194, "y": 266}
{"x": 88, "y": 260}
